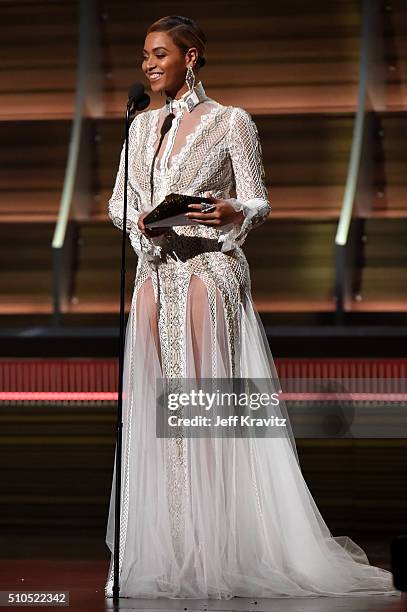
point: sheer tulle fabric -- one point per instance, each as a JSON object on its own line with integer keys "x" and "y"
{"x": 237, "y": 517}
{"x": 250, "y": 526}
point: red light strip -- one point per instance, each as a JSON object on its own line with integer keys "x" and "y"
{"x": 57, "y": 395}
{"x": 112, "y": 396}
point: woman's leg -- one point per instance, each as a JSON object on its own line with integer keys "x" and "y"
{"x": 208, "y": 347}
{"x": 198, "y": 314}
{"x": 146, "y": 310}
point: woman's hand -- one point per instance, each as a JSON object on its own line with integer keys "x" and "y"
{"x": 224, "y": 213}
{"x": 150, "y": 232}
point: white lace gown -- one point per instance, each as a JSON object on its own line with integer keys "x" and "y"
{"x": 209, "y": 517}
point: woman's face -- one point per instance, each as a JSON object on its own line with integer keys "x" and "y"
{"x": 164, "y": 64}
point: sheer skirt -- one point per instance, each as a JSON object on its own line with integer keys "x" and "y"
{"x": 216, "y": 517}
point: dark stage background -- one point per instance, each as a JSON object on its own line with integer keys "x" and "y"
{"x": 326, "y": 83}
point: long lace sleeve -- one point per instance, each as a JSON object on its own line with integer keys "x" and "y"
{"x": 140, "y": 243}
{"x": 252, "y": 196}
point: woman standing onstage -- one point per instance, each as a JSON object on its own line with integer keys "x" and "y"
{"x": 207, "y": 517}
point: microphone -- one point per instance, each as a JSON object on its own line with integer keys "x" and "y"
{"x": 166, "y": 126}
{"x": 138, "y": 99}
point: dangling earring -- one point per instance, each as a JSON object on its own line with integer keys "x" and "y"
{"x": 190, "y": 78}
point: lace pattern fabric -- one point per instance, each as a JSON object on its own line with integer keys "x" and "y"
{"x": 220, "y": 150}
{"x": 209, "y": 517}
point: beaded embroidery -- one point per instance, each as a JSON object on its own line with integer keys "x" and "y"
{"x": 222, "y": 152}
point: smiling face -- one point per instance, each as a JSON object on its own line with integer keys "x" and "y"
{"x": 165, "y": 65}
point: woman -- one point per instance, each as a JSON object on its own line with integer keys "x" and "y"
{"x": 210, "y": 516}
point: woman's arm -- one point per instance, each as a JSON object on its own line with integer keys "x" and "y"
{"x": 140, "y": 242}
{"x": 248, "y": 169}
{"x": 235, "y": 217}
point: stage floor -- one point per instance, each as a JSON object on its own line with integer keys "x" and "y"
{"x": 84, "y": 580}
{"x": 77, "y": 561}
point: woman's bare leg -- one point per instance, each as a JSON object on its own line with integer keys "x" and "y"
{"x": 146, "y": 310}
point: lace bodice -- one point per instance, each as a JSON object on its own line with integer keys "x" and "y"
{"x": 211, "y": 149}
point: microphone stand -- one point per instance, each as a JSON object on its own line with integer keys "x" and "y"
{"x": 116, "y": 588}
{"x": 138, "y": 102}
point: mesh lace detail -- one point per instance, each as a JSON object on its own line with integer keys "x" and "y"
{"x": 140, "y": 243}
{"x": 115, "y": 205}
{"x": 251, "y": 192}
{"x": 192, "y": 316}
{"x": 213, "y": 150}
{"x": 216, "y": 149}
